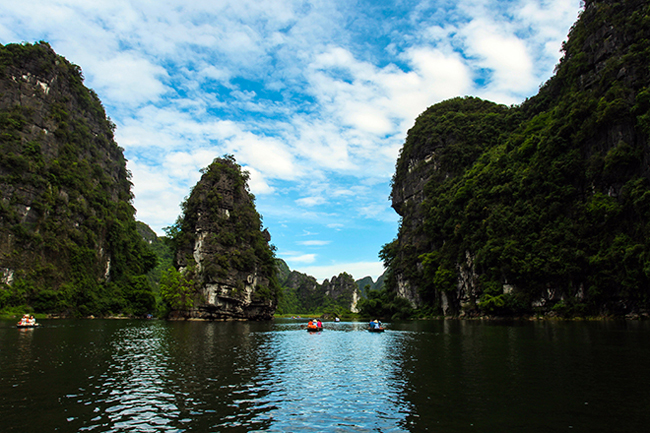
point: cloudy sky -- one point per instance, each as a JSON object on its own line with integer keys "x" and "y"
{"x": 313, "y": 97}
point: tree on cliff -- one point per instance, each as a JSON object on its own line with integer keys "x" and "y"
{"x": 542, "y": 206}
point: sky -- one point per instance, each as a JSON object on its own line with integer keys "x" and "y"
{"x": 313, "y": 98}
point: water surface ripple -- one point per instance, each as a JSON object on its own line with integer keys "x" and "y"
{"x": 442, "y": 376}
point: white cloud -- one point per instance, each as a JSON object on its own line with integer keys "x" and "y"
{"x": 313, "y": 243}
{"x": 303, "y": 258}
{"x": 310, "y": 201}
{"x": 129, "y": 78}
{"x": 501, "y": 52}
{"x": 267, "y": 155}
{"x": 257, "y": 183}
{"x": 158, "y": 198}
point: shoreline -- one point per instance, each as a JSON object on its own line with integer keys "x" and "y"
{"x": 532, "y": 318}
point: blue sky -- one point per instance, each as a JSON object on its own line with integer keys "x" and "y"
{"x": 314, "y": 98}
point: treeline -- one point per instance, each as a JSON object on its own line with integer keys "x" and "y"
{"x": 302, "y": 294}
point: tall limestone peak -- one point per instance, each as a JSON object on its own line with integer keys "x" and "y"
{"x": 540, "y": 207}
{"x": 222, "y": 249}
{"x": 68, "y": 239}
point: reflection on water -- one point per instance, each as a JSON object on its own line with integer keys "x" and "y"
{"x": 444, "y": 376}
{"x": 131, "y": 394}
{"x": 337, "y": 380}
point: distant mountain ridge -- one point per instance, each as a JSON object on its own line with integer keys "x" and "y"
{"x": 303, "y": 293}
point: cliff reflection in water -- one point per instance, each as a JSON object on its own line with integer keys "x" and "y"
{"x": 467, "y": 376}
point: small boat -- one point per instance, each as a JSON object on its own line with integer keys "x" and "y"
{"x": 24, "y": 325}
{"x": 314, "y": 328}
{"x": 380, "y": 329}
{"x": 27, "y": 322}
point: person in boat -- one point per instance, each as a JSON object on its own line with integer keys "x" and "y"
{"x": 319, "y": 324}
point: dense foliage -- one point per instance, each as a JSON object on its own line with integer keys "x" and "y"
{"x": 384, "y": 304}
{"x": 546, "y": 203}
{"x": 68, "y": 238}
{"x": 162, "y": 248}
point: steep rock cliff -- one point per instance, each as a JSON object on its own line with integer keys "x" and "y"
{"x": 540, "y": 207}
{"x": 222, "y": 249}
{"x": 68, "y": 242}
{"x": 343, "y": 290}
{"x": 304, "y": 294}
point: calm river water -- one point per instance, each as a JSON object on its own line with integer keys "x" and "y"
{"x": 437, "y": 376}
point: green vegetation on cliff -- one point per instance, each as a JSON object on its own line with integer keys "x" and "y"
{"x": 544, "y": 206}
{"x": 218, "y": 241}
{"x": 302, "y": 294}
{"x": 68, "y": 238}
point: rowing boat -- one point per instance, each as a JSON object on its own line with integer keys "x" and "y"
{"x": 34, "y": 325}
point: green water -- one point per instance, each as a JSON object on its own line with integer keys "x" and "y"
{"x": 437, "y": 376}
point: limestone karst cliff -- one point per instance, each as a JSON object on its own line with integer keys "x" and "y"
{"x": 221, "y": 251}
{"x": 541, "y": 207}
{"x": 68, "y": 240}
{"x": 304, "y": 294}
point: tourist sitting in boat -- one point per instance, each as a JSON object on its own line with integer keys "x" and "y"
{"x": 314, "y": 325}
{"x": 27, "y": 321}
{"x": 375, "y": 324}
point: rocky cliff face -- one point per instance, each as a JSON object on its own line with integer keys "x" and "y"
{"x": 67, "y": 234}
{"x": 304, "y": 293}
{"x": 343, "y": 290}
{"x": 445, "y": 141}
{"x": 223, "y": 250}
{"x": 366, "y": 283}
{"x": 537, "y": 207}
